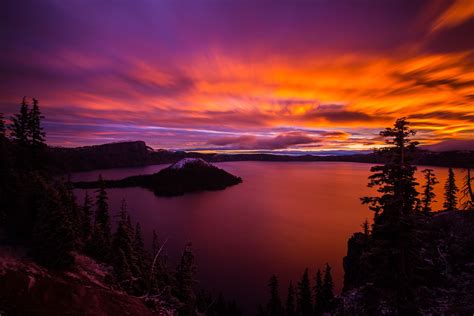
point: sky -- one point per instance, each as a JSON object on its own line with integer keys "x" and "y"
{"x": 237, "y": 76}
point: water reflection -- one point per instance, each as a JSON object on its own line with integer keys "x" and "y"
{"x": 284, "y": 217}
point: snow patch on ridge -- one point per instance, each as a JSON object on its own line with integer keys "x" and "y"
{"x": 190, "y": 161}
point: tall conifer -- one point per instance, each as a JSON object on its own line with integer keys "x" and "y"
{"x": 366, "y": 228}
{"x": 53, "y": 236}
{"x": 101, "y": 243}
{"x": 141, "y": 256}
{"x": 428, "y": 190}
{"x": 394, "y": 221}
{"x": 305, "y": 304}
{"x": 87, "y": 218}
{"x": 274, "y": 306}
{"x": 122, "y": 248}
{"x": 185, "y": 279}
{"x": 395, "y": 179}
{"x": 318, "y": 294}
{"x": 290, "y": 301}
{"x": 20, "y": 123}
{"x": 450, "y": 192}
{"x": 36, "y": 131}
{"x": 467, "y": 192}
{"x": 328, "y": 288}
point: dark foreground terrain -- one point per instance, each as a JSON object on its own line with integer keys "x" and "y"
{"x": 444, "y": 254}
{"x": 442, "y": 258}
{"x": 88, "y": 288}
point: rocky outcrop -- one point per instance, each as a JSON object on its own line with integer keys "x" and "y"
{"x": 441, "y": 281}
{"x": 86, "y": 289}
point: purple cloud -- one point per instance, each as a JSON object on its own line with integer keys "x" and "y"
{"x": 281, "y": 141}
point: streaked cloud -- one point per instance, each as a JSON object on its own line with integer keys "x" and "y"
{"x": 281, "y": 141}
{"x": 459, "y": 12}
{"x": 240, "y": 75}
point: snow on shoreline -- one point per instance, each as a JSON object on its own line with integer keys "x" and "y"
{"x": 190, "y": 161}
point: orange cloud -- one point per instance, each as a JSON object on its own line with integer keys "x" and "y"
{"x": 459, "y": 12}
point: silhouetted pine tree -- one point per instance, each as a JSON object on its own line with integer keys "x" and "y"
{"x": 36, "y": 132}
{"x": 428, "y": 192}
{"x": 87, "y": 218}
{"x": 101, "y": 237}
{"x": 450, "y": 192}
{"x": 467, "y": 197}
{"x": 20, "y": 123}
{"x": 305, "y": 304}
{"x": 129, "y": 224}
{"x": 142, "y": 257}
{"x": 290, "y": 301}
{"x": 274, "y": 306}
{"x": 122, "y": 249}
{"x": 185, "y": 274}
{"x": 318, "y": 294}
{"x": 395, "y": 179}
{"x": 74, "y": 212}
{"x": 366, "y": 228}
{"x": 328, "y": 288}
{"x": 53, "y": 236}
{"x": 393, "y": 252}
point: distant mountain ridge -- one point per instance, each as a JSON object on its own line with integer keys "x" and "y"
{"x": 137, "y": 153}
{"x": 112, "y": 155}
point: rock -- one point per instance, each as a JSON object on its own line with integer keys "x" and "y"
{"x": 440, "y": 270}
{"x": 28, "y": 289}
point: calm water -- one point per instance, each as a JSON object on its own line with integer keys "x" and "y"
{"x": 285, "y": 216}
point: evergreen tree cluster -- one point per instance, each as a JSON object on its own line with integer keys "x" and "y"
{"x": 210, "y": 305}
{"x": 304, "y": 300}
{"x": 41, "y": 213}
{"x": 467, "y": 192}
{"x": 139, "y": 271}
{"x": 398, "y": 210}
{"x": 395, "y": 180}
{"x": 428, "y": 190}
{"x": 26, "y": 129}
{"x": 450, "y": 192}
{"x": 389, "y": 243}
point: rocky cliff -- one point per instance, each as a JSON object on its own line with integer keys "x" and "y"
{"x": 87, "y": 289}
{"x": 443, "y": 266}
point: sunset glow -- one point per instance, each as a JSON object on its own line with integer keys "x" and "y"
{"x": 241, "y": 75}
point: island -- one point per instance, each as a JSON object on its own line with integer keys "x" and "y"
{"x": 187, "y": 175}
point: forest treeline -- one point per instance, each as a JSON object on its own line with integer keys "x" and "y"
{"x": 41, "y": 213}
{"x": 307, "y": 298}
{"x": 388, "y": 254}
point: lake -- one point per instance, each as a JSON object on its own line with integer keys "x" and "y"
{"x": 284, "y": 217}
